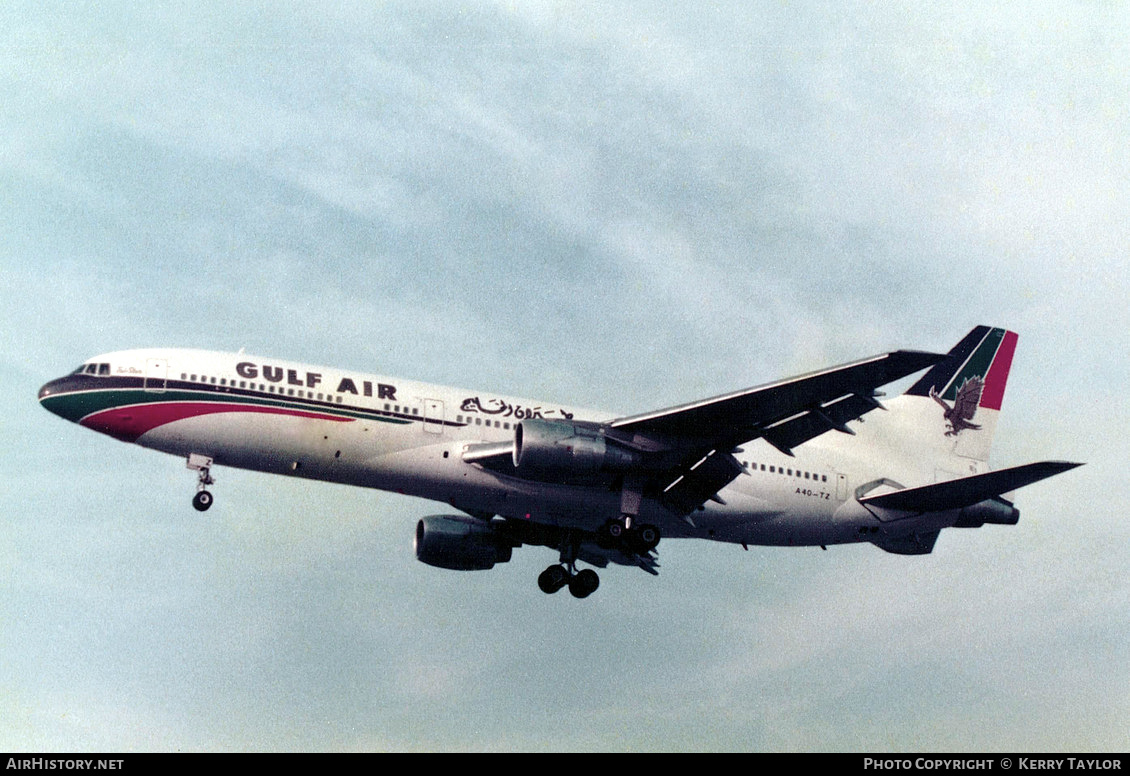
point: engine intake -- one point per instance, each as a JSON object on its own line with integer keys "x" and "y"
{"x": 460, "y": 543}
{"x": 554, "y": 446}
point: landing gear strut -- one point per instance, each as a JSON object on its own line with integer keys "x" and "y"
{"x": 202, "y": 465}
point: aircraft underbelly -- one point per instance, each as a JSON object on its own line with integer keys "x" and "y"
{"x": 397, "y": 459}
{"x": 400, "y": 458}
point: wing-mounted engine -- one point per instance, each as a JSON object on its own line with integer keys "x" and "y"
{"x": 460, "y": 543}
{"x": 543, "y": 447}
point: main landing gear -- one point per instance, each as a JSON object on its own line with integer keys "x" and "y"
{"x": 581, "y": 583}
{"x": 615, "y": 534}
{"x": 202, "y": 465}
{"x": 622, "y": 534}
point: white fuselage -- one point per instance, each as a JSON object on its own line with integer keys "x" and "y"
{"x": 409, "y": 437}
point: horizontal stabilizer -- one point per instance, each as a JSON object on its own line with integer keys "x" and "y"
{"x": 966, "y": 491}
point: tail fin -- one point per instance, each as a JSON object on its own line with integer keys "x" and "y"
{"x": 968, "y": 387}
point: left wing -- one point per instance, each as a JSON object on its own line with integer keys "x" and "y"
{"x": 702, "y": 436}
{"x": 786, "y": 413}
{"x": 682, "y": 456}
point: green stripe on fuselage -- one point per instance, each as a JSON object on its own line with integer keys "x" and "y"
{"x": 76, "y": 405}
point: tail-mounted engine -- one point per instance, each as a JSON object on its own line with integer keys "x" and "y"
{"x": 997, "y": 511}
{"x": 460, "y": 542}
{"x": 544, "y": 446}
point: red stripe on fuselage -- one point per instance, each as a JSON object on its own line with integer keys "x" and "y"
{"x": 993, "y": 393}
{"x": 129, "y": 423}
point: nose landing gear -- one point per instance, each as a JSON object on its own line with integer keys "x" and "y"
{"x": 202, "y": 465}
{"x": 202, "y": 500}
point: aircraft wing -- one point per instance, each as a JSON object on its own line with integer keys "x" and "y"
{"x": 786, "y": 413}
{"x": 686, "y": 452}
{"x": 702, "y": 436}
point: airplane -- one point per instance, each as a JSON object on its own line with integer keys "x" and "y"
{"x": 812, "y": 460}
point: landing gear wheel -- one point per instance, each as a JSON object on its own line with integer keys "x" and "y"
{"x": 202, "y": 465}
{"x": 584, "y": 583}
{"x": 647, "y": 537}
{"x": 553, "y": 579}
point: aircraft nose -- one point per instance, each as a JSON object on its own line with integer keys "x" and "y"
{"x": 47, "y": 395}
{"x": 49, "y": 388}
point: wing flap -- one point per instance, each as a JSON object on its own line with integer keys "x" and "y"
{"x": 700, "y": 482}
{"x": 966, "y": 491}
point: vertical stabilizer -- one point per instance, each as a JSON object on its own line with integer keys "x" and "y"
{"x": 968, "y": 389}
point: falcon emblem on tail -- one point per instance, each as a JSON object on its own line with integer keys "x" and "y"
{"x": 964, "y": 405}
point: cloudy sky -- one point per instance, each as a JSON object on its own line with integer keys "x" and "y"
{"x": 623, "y": 206}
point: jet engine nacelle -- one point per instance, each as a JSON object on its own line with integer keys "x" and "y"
{"x": 995, "y": 510}
{"x": 557, "y": 446}
{"x": 459, "y": 542}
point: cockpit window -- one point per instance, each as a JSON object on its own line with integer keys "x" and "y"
{"x": 102, "y": 370}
